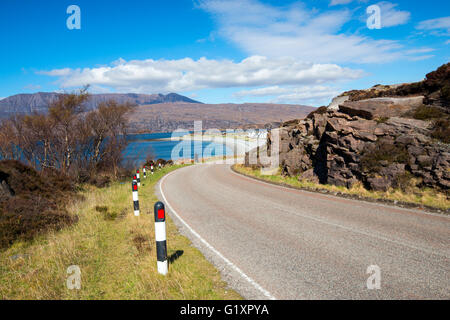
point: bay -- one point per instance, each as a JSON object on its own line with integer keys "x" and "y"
{"x": 142, "y": 145}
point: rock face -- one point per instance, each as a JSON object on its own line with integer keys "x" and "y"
{"x": 5, "y": 190}
{"x": 343, "y": 149}
{"x": 435, "y": 88}
{"x": 380, "y": 107}
{"x": 386, "y": 136}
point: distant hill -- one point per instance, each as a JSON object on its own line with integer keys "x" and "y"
{"x": 167, "y": 117}
{"x": 38, "y": 102}
{"x": 165, "y": 113}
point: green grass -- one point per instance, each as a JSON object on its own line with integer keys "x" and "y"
{"x": 418, "y": 196}
{"x": 115, "y": 251}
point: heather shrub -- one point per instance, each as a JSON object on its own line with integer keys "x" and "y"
{"x": 383, "y": 152}
{"x": 33, "y": 202}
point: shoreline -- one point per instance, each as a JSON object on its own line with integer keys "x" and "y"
{"x": 238, "y": 145}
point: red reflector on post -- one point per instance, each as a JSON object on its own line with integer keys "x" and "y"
{"x": 135, "y": 187}
{"x": 160, "y": 214}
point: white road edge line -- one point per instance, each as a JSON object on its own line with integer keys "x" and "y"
{"x": 362, "y": 232}
{"x": 337, "y": 197}
{"x": 210, "y": 247}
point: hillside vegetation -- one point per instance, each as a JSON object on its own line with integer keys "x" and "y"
{"x": 115, "y": 252}
{"x": 31, "y": 202}
{"x": 416, "y": 197}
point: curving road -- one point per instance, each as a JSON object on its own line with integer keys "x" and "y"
{"x": 275, "y": 242}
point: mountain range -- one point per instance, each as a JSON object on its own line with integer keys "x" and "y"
{"x": 39, "y": 102}
{"x": 167, "y": 117}
{"x": 165, "y": 113}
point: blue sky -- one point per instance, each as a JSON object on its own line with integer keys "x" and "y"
{"x": 301, "y": 52}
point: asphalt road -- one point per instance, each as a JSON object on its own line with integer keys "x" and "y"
{"x": 275, "y": 242}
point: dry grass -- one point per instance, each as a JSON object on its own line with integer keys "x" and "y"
{"x": 116, "y": 254}
{"x": 425, "y": 196}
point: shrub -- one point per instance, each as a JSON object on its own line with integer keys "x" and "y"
{"x": 406, "y": 182}
{"x": 382, "y": 120}
{"x": 100, "y": 181}
{"x": 383, "y": 151}
{"x": 162, "y": 161}
{"x": 427, "y": 113}
{"x": 37, "y": 204}
{"x": 107, "y": 215}
{"x": 441, "y": 130}
{"x": 320, "y": 110}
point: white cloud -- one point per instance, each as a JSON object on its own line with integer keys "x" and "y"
{"x": 1, "y": 98}
{"x": 337, "y": 2}
{"x": 303, "y": 94}
{"x": 439, "y": 26}
{"x": 188, "y": 75}
{"x": 390, "y": 16}
{"x": 261, "y": 92}
{"x": 419, "y": 50}
{"x": 420, "y": 58}
{"x": 57, "y": 72}
{"x": 417, "y": 54}
{"x": 308, "y": 35}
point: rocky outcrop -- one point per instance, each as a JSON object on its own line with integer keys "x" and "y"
{"x": 5, "y": 190}
{"x": 395, "y": 136}
{"x": 435, "y": 88}
{"x": 381, "y": 107}
{"x": 342, "y": 148}
{"x": 386, "y": 136}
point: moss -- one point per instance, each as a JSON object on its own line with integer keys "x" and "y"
{"x": 382, "y": 120}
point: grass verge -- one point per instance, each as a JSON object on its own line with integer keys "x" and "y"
{"x": 426, "y": 198}
{"x": 115, "y": 251}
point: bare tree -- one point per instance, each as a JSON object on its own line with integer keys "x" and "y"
{"x": 65, "y": 114}
{"x": 68, "y": 138}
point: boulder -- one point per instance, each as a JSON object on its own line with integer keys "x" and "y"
{"x": 309, "y": 175}
{"x": 5, "y": 190}
{"x": 334, "y": 105}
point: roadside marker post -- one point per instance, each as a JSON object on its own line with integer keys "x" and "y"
{"x": 160, "y": 238}
{"x": 145, "y": 173}
{"x": 138, "y": 178}
{"x": 134, "y": 188}
{"x": 151, "y": 168}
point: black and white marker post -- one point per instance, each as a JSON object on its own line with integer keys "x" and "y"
{"x": 145, "y": 172}
{"x": 151, "y": 168}
{"x": 134, "y": 188}
{"x": 160, "y": 238}
{"x": 138, "y": 178}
